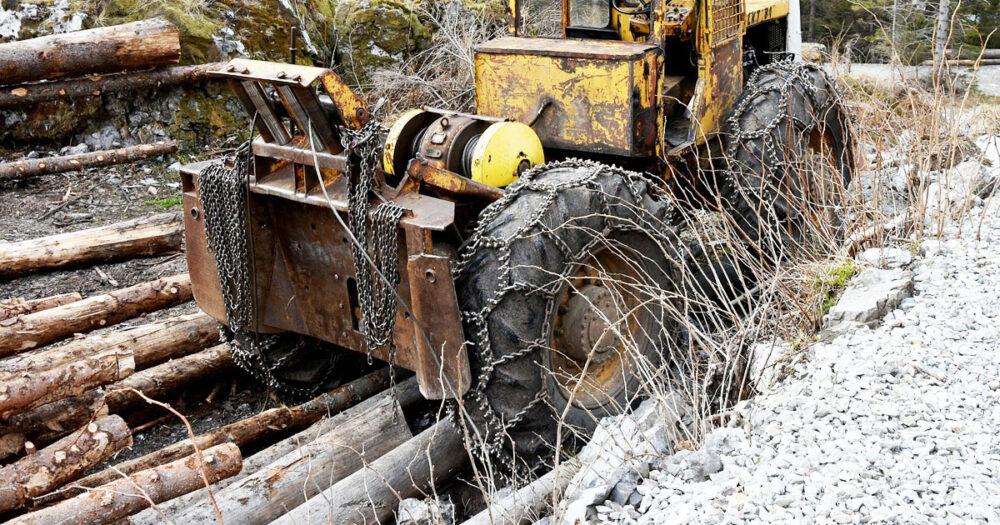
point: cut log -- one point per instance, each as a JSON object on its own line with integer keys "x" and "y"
{"x": 371, "y": 494}
{"x": 61, "y": 462}
{"x": 18, "y": 306}
{"x": 166, "y": 378}
{"x": 250, "y": 429}
{"x": 125, "y": 497}
{"x": 40, "y": 328}
{"x": 253, "y": 464}
{"x": 144, "y": 237}
{"x": 355, "y": 438}
{"x": 24, "y": 169}
{"x": 49, "y": 422}
{"x": 95, "y": 86}
{"x": 34, "y": 389}
{"x": 137, "y": 45}
{"x": 150, "y": 344}
{"x": 530, "y": 502}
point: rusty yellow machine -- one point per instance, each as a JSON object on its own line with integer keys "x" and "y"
{"x": 487, "y": 252}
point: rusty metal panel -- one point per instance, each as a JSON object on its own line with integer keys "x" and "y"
{"x": 443, "y": 362}
{"x": 595, "y": 94}
{"x": 200, "y": 261}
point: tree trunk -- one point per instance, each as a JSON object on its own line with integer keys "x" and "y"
{"x": 166, "y": 378}
{"x": 350, "y": 441}
{"x": 18, "y": 306}
{"x": 95, "y": 86}
{"x": 40, "y": 328}
{"x": 24, "y": 169}
{"x": 125, "y": 497}
{"x": 61, "y": 462}
{"x": 941, "y": 35}
{"x": 137, "y": 45}
{"x": 371, "y": 494}
{"x": 251, "y": 429}
{"x": 34, "y": 389}
{"x": 150, "y": 345}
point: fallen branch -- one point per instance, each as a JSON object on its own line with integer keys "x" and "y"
{"x": 23, "y": 169}
{"x": 371, "y": 494}
{"x": 61, "y": 462}
{"x": 40, "y": 328}
{"x": 14, "y": 307}
{"x": 95, "y": 86}
{"x": 137, "y": 45}
{"x": 127, "y": 496}
{"x": 856, "y": 241}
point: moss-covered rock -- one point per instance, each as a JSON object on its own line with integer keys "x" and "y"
{"x": 376, "y": 33}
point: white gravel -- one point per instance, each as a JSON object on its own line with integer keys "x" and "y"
{"x": 896, "y": 424}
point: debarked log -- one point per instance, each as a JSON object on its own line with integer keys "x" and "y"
{"x": 137, "y": 45}
{"x": 126, "y": 496}
{"x": 349, "y": 441}
{"x": 371, "y": 494}
{"x": 23, "y": 169}
{"x": 40, "y": 328}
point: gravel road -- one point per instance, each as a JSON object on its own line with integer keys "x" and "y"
{"x": 897, "y": 424}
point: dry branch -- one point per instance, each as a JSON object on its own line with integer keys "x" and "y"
{"x": 34, "y": 330}
{"x": 124, "y": 497}
{"x": 137, "y": 45}
{"x": 24, "y": 169}
{"x": 251, "y": 429}
{"x": 350, "y": 440}
{"x": 61, "y": 462}
{"x": 371, "y": 494}
{"x": 95, "y": 86}
{"x": 33, "y": 389}
{"x": 19, "y": 306}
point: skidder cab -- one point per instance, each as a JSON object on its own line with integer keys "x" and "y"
{"x": 514, "y": 257}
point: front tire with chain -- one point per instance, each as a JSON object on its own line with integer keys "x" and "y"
{"x": 512, "y": 273}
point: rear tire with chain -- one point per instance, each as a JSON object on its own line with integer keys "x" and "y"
{"x": 515, "y": 270}
{"x": 294, "y": 365}
{"x": 788, "y": 113}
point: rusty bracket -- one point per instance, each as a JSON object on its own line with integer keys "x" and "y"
{"x": 442, "y": 359}
{"x": 451, "y": 182}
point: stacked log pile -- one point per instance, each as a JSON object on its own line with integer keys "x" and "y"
{"x": 85, "y": 64}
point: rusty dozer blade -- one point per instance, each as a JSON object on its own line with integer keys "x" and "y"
{"x": 302, "y": 270}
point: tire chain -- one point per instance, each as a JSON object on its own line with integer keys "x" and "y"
{"x": 224, "y": 200}
{"x": 478, "y": 321}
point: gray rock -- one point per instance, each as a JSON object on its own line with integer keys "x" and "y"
{"x": 870, "y": 296}
{"x": 886, "y": 257}
{"x": 430, "y": 511}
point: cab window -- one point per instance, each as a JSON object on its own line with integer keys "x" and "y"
{"x": 590, "y": 13}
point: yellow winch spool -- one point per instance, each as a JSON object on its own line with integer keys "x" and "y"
{"x": 504, "y": 151}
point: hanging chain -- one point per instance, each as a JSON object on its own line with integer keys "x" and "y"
{"x": 224, "y": 201}
{"x": 376, "y": 232}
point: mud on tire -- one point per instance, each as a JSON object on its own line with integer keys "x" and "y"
{"x": 511, "y": 275}
{"x": 789, "y": 117}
